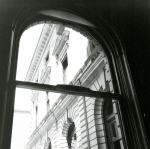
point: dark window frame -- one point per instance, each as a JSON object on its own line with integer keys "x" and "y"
{"x": 119, "y": 67}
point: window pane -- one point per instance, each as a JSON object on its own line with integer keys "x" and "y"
{"x": 31, "y": 107}
{"x": 63, "y": 56}
{"x": 21, "y": 119}
{"x": 55, "y": 54}
{"x": 35, "y": 111}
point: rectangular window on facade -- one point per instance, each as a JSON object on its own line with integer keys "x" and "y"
{"x": 47, "y": 58}
{"x": 36, "y": 115}
{"x": 47, "y": 103}
{"x": 65, "y": 65}
{"x": 80, "y": 74}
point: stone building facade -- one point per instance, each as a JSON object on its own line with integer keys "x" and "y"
{"x": 63, "y": 121}
{"x": 19, "y": 135}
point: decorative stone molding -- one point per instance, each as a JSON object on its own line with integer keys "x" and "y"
{"x": 34, "y": 96}
{"x": 60, "y": 43}
{"x": 63, "y": 52}
{"x": 91, "y": 72}
{"x": 45, "y": 74}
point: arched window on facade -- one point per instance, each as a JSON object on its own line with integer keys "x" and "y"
{"x": 72, "y": 138}
{"x": 48, "y": 144}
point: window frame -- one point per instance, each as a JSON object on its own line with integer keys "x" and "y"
{"x": 65, "y": 89}
{"x": 119, "y": 69}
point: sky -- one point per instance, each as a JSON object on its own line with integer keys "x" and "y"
{"x": 27, "y": 45}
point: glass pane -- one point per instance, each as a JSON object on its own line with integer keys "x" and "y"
{"x": 21, "y": 119}
{"x": 56, "y": 54}
{"x": 117, "y": 145}
{"x": 114, "y": 129}
{"x": 61, "y": 56}
{"x": 31, "y": 107}
{"x": 41, "y": 118}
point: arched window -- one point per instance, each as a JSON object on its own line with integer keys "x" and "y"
{"x": 49, "y": 146}
{"x": 57, "y": 51}
{"x": 118, "y": 67}
{"x": 72, "y": 138}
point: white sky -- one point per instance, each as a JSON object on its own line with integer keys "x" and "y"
{"x": 28, "y": 42}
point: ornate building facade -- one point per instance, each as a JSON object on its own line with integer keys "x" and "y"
{"x": 64, "y": 121}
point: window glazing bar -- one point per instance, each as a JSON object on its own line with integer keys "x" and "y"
{"x": 67, "y": 89}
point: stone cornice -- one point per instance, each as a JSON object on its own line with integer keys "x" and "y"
{"x": 91, "y": 64}
{"x": 34, "y": 96}
{"x": 63, "y": 52}
{"x": 60, "y": 42}
{"x": 39, "y": 51}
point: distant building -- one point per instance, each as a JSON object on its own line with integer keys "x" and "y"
{"x": 20, "y": 133}
{"x": 62, "y": 121}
